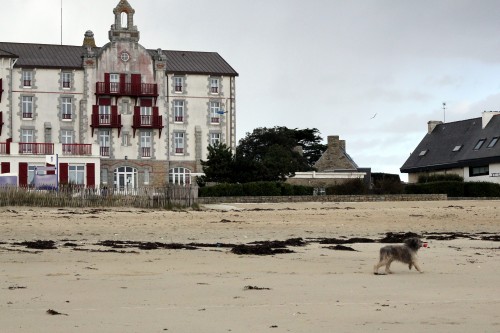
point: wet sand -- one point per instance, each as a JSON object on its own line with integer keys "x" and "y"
{"x": 130, "y": 270}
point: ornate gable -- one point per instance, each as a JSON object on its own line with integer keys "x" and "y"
{"x": 124, "y": 28}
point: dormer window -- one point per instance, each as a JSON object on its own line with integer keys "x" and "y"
{"x": 423, "y": 152}
{"x": 493, "y": 142}
{"x": 479, "y": 144}
{"x": 457, "y": 148}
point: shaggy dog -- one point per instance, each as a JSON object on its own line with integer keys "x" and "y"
{"x": 404, "y": 253}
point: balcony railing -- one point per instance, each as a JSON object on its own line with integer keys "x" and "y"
{"x": 106, "y": 120}
{"x": 215, "y": 120}
{"x": 179, "y": 150}
{"x": 31, "y": 148}
{"x": 146, "y": 151}
{"x": 127, "y": 89}
{"x": 154, "y": 121}
{"x": 104, "y": 151}
{"x": 3, "y": 148}
{"x": 75, "y": 149}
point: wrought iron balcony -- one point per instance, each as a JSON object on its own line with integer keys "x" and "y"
{"x": 106, "y": 120}
{"x": 76, "y": 149}
{"x": 154, "y": 121}
{"x": 127, "y": 89}
{"x": 33, "y": 148}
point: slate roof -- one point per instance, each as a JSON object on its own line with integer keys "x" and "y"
{"x": 70, "y": 57}
{"x": 440, "y": 143}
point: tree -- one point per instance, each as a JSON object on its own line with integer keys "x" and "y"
{"x": 266, "y": 154}
{"x": 219, "y": 165}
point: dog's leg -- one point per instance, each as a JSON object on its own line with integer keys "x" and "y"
{"x": 417, "y": 267}
{"x": 388, "y": 267}
{"x": 382, "y": 262}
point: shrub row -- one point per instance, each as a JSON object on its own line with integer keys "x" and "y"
{"x": 455, "y": 189}
{"x": 254, "y": 189}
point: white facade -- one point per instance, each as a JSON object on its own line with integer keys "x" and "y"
{"x": 136, "y": 117}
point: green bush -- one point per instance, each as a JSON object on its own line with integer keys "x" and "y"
{"x": 386, "y": 183}
{"x": 350, "y": 187}
{"x": 481, "y": 189}
{"x": 450, "y": 188}
{"x": 439, "y": 178}
{"x": 254, "y": 189}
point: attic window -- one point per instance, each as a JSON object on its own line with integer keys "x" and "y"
{"x": 479, "y": 144}
{"x": 493, "y": 142}
{"x": 457, "y": 148}
{"x": 423, "y": 152}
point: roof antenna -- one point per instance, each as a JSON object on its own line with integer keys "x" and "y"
{"x": 61, "y": 22}
{"x": 444, "y": 112}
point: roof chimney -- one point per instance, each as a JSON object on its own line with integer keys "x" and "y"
{"x": 487, "y": 115}
{"x": 88, "y": 40}
{"x": 432, "y": 124}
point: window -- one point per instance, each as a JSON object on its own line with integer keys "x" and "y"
{"x": 104, "y": 114}
{"x": 179, "y": 142}
{"x": 27, "y": 107}
{"x": 178, "y": 84}
{"x": 457, "y": 148}
{"x": 125, "y": 139}
{"x": 215, "y": 112}
{"x": 76, "y": 174}
{"x": 479, "y": 171}
{"x": 27, "y": 141}
{"x": 104, "y": 142}
{"x": 67, "y": 140}
{"x": 179, "y": 111}
{"x": 214, "y": 85}
{"x": 146, "y": 115}
{"x": 66, "y": 106}
{"x": 479, "y": 144}
{"x": 423, "y": 152}
{"x": 214, "y": 138}
{"x": 27, "y": 79}
{"x": 493, "y": 142}
{"x": 146, "y": 144}
{"x": 31, "y": 174}
{"x": 114, "y": 82}
{"x": 146, "y": 176}
{"x": 180, "y": 176}
{"x": 104, "y": 176}
{"x": 66, "y": 80}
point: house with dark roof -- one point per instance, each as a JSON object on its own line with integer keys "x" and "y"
{"x": 334, "y": 167}
{"x": 119, "y": 115}
{"x": 468, "y": 148}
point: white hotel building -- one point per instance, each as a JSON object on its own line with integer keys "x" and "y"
{"x": 120, "y": 115}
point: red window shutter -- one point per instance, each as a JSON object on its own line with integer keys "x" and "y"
{"x": 106, "y": 79}
{"x": 135, "y": 79}
{"x": 146, "y": 102}
{"x": 5, "y": 166}
{"x": 63, "y": 173}
{"x": 90, "y": 175}
{"x": 104, "y": 101}
{"x": 137, "y": 111}
{"x": 114, "y": 110}
{"x": 155, "y": 111}
{"x": 23, "y": 174}
{"x": 50, "y": 172}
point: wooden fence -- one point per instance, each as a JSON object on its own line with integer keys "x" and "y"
{"x": 167, "y": 197}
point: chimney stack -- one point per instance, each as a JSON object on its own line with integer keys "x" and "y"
{"x": 432, "y": 124}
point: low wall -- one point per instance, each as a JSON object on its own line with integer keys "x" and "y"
{"x": 324, "y": 198}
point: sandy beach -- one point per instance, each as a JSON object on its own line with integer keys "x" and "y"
{"x": 132, "y": 270}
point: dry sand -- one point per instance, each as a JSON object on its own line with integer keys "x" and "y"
{"x": 97, "y": 288}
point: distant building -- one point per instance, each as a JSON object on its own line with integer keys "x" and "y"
{"x": 334, "y": 167}
{"x": 468, "y": 148}
{"x": 119, "y": 115}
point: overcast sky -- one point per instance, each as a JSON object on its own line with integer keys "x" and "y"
{"x": 373, "y": 72}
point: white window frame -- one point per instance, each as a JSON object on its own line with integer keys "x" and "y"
{"x": 146, "y": 177}
{"x": 146, "y": 113}
{"x": 179, "y": 143}
{"x": 76, "y": 174}
{"x": 215, "y": 138}
{"x": 178, "y": 111}
{"x": 67, "y": 108}
{"x": 146, "y": 137}
{"x": 105, "y": 142}
{"x": 27, "y": 107}
{"x": 214, "y": 109}
{"x": 114, "y": 82}
{"x": 66, "y": 80}
{"x": 125, "y": 139}
{"x": 214, "y": 85}
{"x": 27, "y": 79}
{"x": 178, "y": 84}
{"x": 27, "y": 135}
{"x": 67, "y": 136}
{"x": 180, "y": 176}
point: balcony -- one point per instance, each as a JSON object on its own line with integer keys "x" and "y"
{"x": 127, "y": 89}
{"x": 104, "y": 151}
{"x": 106, "y": 120}
{"x": 76, "y": 149}
{"x": 146, "y": 151}
{"x": 4, "y": 148}
{"x": 33, "y": 148}
{"x": 154, "y": 121}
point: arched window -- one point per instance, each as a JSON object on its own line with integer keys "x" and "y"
{"x": 124, "y": 20}
{"x": 179, "y": 176}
